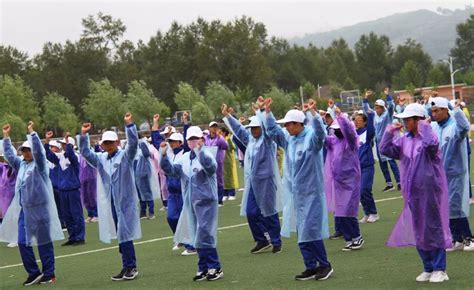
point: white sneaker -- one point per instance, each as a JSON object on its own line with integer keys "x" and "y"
{"x": 363, "y": 220}
{"x": 373, "y": 218}
{"x": 468, "y": 245}
{"x": 438, "y": 277}
{"x": 177, "y": 246}
{"x": 12, "y": 245}
{"x": 163, "y": 209}
{"x": 220, "y": 205}
{"x": 471, "y": 200}
{"x": 94, "y": 220}
{"x": 231, "y": 197}
{"x": 457, "y": 246}
{"x": 225, "y": 198}
{"x": 423, "y": 277}
{"x": 88, "y": 220}
{"x": 188, "y": 252}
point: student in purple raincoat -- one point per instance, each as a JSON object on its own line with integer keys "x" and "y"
{"x": 424, "y": 221}
{"x": 342, "y": 179}
{"x": 7, "y": 186}
{"x": 88, "y": 178}
{"x": 214, "y": 139}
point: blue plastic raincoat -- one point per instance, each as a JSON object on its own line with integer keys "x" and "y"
{"x": 146, "y": 176}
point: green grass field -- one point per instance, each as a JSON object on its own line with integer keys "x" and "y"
{"x": 374, "y": 267}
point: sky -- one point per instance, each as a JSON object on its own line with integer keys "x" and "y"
{"x": 27, "y": 25}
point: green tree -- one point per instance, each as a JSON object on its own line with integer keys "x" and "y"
{"x": 13, "y": 61}
{"x": 216, "y": 95}
{"x": 186, "y": 96}
{"x": 142, "y": 103}
{"x": 409, "y": 75}
{"x": 201, "y": 113}
{"x": 463, "y": 52}
{"x": 102, "y": 31}
{"x": 18, "y": 126}
{"x": 58, "y": 113}
{"x": 282, "y": 101}
{"x": 413, "y": 51}
{"x": 438, "y": 75}
{"x": 104, "y": 105}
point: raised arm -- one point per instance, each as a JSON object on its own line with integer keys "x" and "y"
{"x": 430, "y": 140}
{"x": 317, "y": 124}
{"x": 348, "y": 131}
{"x": 169, "y": 168}
{"x": 462, "y": 124}
{"x": 85, "y": 147}
{"x": 390, "y": 108}
{"x": 49, "y": 154}
{"x": 37, "y": 149}
{"x": 70, "y": 154}
{"x": 132, "y": 137}
{"x": 239, "y": 131}
{"x": 144, "y": 148}
{"x": 8, "y": 151}
{"x": 208, "y": 162}
{"x": 370, "y": 126}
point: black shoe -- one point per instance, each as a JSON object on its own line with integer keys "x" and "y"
{"x": 143, "y": 216}
{"x": 276, "y": 249}
{"x": 48, "y": 279}
{"x": 260, "y": 248}
{"x": 33, "y": 279}
{"x": 322, "y": 273}
{"x": 119, "y": 276}
{"x": 336, "y": 236}
{"x": 399, "y": 187}
{"x": 77, "y": 243}
{"x": 388, "y": 188}
{"x": 200, "y": 276}
{"x": 69, "y": 243}
{"x": 130, "y": 274}
{"x": 306, "y": 275}
{"x": 357, "y": 244}
{"x": 214, "y": 274}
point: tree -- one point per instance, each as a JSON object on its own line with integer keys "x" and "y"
{"x": 409, "y": 75}
{"x": 413, "y": 51}
{"x": 13, "y": 61}
{"x": 142, "y": 103}
{"x": 201, "y": 113}
{"x": 18, "y": 126}
{"x": 102, "y": 31}
{"x": 186, "y": 96}
{"x": 104, "y": 105}
{"x": 438, "y": 75}
{"x": 463, "y": 52}
{"x": 216, "y": 95}
{"x": 58, "y": 113}
{"x": 282, "y": 102}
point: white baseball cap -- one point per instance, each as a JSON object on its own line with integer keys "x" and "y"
{"x": 54, "y": 143}
{"x": 194, "y": 131}
{"x": 109, "y": 136}
{"x": 254, "y": 122}
{"x": 25, "y": 144}
{"x": 335, "y": 125}
{"x": 169, "y": 129}
{"x": 293, "y": 116}
{"x": 412, "y": 110}
{"x": 380, "y": 103}
{"x": 213, "y": 123}
{"x": 177, "y": 137}
{"x": 70, "y": 141}
{"x": 440, "y": 102}
{"x": 205, "y": 132}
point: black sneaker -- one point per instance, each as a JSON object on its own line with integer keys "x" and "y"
{"x": 357, "y": 244}
{"x": 322, "y": 273}
{"x": 200, "y": 276}
{"x": 306, "y": 275}
{"x": 33, "y": 279}
{"x": 388, "y": 188}
{"x": 276, "y": 249}
{"x": 130, "y": 274}
{"x": 143, "y": 216}
{"x": 68, "y": 243}
{"x": 399, "y": 187}
{"x": 336, "y": 236}
{"x": 260, "y": 248}
{"x": 214, "y": 274}
{"x": 77, "y": 243}
{"x": 47, "y": 279}
{"x": 348, "y": 247}
{"x": 119, "y": 276}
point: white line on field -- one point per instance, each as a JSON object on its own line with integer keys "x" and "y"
{"x": 154, "y": 240}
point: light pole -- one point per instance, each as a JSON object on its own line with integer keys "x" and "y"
{"x": 452, "y": 73}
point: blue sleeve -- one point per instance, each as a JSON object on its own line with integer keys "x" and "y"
{"x": 50, "y": 155}
{"x": 132, "y": 141}
{"x": 319, "y": 130}
{"x": 239, "y": 144}
{"x": 390, "y": 108}
{"x": 156, "y": 139}
{"x": 208, "y": 162}
{"x": 10, "y": 154}
{"x": 462, "y": 124}
{"x": 86, "y": 151}
{"x": 97, "y": 148}
{"x": 275, "y": 132}
{"x": 366, "y": 106}
{"x": 38, "y": 152}
{"x": 169, "y": 168}
{"x": 185, "y": 132}
{"x": 145, "y": 150}
{"x": 239, "y": 131}
{"x": 370, "y": 126}
{"x": 71, "y": 155}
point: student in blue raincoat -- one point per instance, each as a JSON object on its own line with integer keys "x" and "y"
{"x": 260, "y": 201}
{"x": 32, "y": 218}
{"x": 197, "y": 225}
{"x": 304, "y": 209}
{"x": 117, "y": 197}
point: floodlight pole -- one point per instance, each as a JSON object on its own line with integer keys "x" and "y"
{"x": 452, "y": 73}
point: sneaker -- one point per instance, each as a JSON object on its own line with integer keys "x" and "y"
{"x": 457, "y": 246}
{"x": 471, "y": 200}
{"x": 143, "y": 216}
{"x": 77, "y": 243}
{"x": 232, "y": 198}
{"x": 373, "y": 218}
{"x": 94, "y": 219}
{"x": 276, "y": 249}
{"x": 119, "y": 276}
{"x": 68, "y": 243}
{"x": 47, "y": 279}
{"x": 88, "y": 220}
{"x": 399, "y": 187}
{"x": 130, "y": 274}
{"x": 33, "y": 279}
{"x": 306, "y": 275}
{"x": 336, "y": 236}
{"x": 225, "y": 198}
{"x": 423, "y": 277}
{"x": 347, "y": 247}
{"x": 260, "y": 248}
{"x": 438, "y": 277}
{"x": 163, "y": 208}
{"x": 151, "y": 217}
{"x": 363, "y": 220}
{"x": 200, "y": 276}
{"x": 214, "y": 274}
{"x": 12, "y": 245}
{"x": 177, "y": 246}
{"x": 357, "y": 244}
{"x": 468, "y": 245}
{"x": 220, "y": 205}
{"x": 188, "y": 252}
{"x": 388, "y": 188}
{"x": 323, "y": 273}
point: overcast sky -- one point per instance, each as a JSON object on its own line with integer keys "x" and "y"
{"x": 27, "y": 25}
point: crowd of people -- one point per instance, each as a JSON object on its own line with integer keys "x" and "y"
{"x": 305, "y": 166}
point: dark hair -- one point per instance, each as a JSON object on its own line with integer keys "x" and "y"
{"x": 224, "y": 130}
{"x": 364, "y": 117}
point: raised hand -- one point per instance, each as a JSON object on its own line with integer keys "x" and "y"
{"x": 128, "y": 118}
{"x": 338, "y": 111}
{"x": 260, "y": 102}
{"x": 185, "y": 117}
{"x": 6, "y": 130}
{"x": 85, "y": 128}
{"x": 66, "y": 137}
{"x": 242, "y": 120}
{"x": 49, "y": 135}
{"x": 224, "y": 110}
{"x": 330, "y": 103}
{"x": 312, "y": 106}
{"x": 31, "y": 127}
{"x": 268, "y": 105}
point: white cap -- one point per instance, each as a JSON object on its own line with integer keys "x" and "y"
{"x": 70, "y": 139}
{"x": 412, "y": 110}
{"x": 335, "y": 125}
{"x": 380, "y": 103}
{"x": 54, "y": 143}
{"x": 213, "y": 123}
{"x": 193, "y": 131}
{"x": 25, "y": 144}
{"x": 440, "y": 102}
{"x": 293, "y": 116}
{"x": 169, "y": 129}
{"x": 254, "y": 122}
{"x": 109, "y": 136}
{"x": 177, "y": 137}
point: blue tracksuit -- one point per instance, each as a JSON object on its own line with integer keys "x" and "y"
{"x": 366, "y": 158}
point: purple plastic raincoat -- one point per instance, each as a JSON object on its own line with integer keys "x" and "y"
{"x": 424, "y": 221}
{"x": 342, "y": 171}
{"x": 222, "y": 146}
{"x": 7, "y": 187}
{"x": 88, "y": 178}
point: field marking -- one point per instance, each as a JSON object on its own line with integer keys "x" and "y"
{"x": 154, "y": 240}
